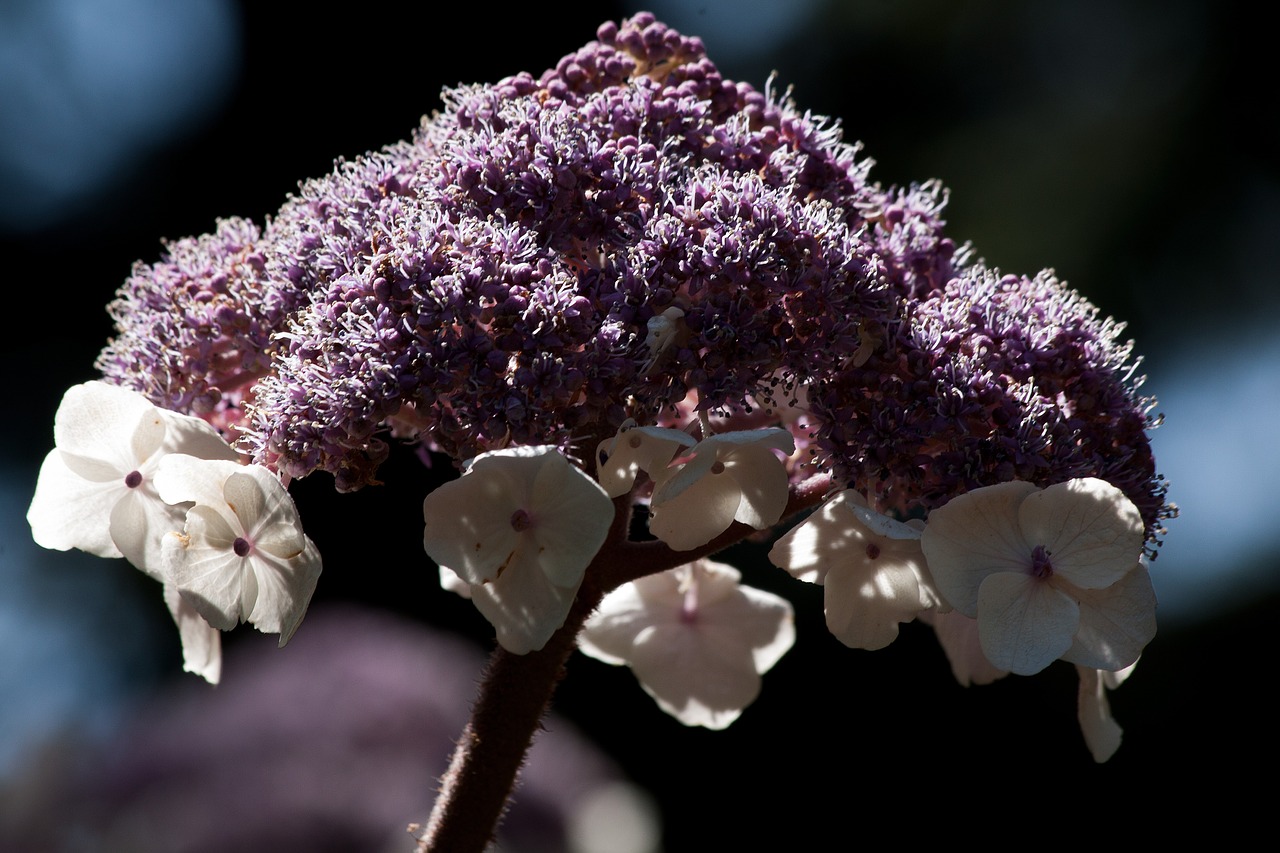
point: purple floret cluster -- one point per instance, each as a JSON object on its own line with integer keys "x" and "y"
{"x": 994, "y": 378}
{"x": 498, "y": 278}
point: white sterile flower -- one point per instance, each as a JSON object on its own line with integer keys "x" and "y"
{"x": 242, "y": 556}
{"x": 1048, "y": 573}
{"x": 733, "y": 476}
{"x": 1101, "y": 732}
{"x": 95, "y": 491}
{"x": 697, "y": 640}
{"x": 620, "y": 459}
{"x": 520, "y": 526}
{"x": 870, "y": 565}
{"x": 201, "y": 642}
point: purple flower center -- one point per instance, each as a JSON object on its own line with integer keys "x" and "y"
{"x": 873, "y": 550}
{"x": 1040, "y": 565}
{"x": 520, "y": 521}
{"x": 717, "y": 467}
{"x": 241, "y": 546}
{"x": 133, "y": 479}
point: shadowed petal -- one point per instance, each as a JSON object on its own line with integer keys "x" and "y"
{"x": 1024, "y": 623}
{"x": 1116, "y": 623}
{"x": 1091, "y": 530}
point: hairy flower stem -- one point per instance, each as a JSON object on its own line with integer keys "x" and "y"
{"x": 514, "y": 695}
{"x": 515, "y": 691}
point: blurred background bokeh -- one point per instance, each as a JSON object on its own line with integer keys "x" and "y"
{"x": 1131, "y": 146}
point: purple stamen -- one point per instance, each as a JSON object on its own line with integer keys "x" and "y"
{"x": 241, "y": 546}
{"x": 1040, "y": 565}
{"x": 520, "y": 521}
{"x": 133, "y": 479}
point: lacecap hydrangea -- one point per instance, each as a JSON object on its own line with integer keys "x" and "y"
{"x": 629, "y": 289}
{"x": 497, "y": 281}
{"x": 492, "y": 281}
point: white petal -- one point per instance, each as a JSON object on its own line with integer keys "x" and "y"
{"x": 109, "y": 423}
{"x": 202, "y": 564}
{"x": 468, "y": 524}
{"x": 703, "y": 680}
{"x": 765, "y": 623}
{"x": 716, "y": 448}
{"x": 865, "y": 601}
{"x": 450, "y": 582}
{"x": 138, "y": 524}
{"x": 973, "y": 535}
{"x": 873, "y": 581}
{"x": 284, "y": 590}
{"x": 1024, "y": 623}
{"x": 696, "y": 640}
{"x": 524, "y": 608}
{"x": 762, "y": 481}
{"x": 1101, "y": 732}
{"x": 194, "y": 437}
{"x": 201, "y": 642}
{"x": 572, "y": 516}
{"x": 1115, "y": 623}
{"x": 697, "y": 514}
{"x": 1092, "y": 532}
{"x": 610, "y": 632}
{"x": 69, "y": 511}
{"x": 958, "y": 636}
{"x": 182, "y": 478}
{"x": 810, "y": 549}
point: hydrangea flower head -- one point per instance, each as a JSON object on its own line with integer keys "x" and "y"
{"x": 1048, "y": 573}
{"x": 520, "y": 527}
{"x": 697, "y": 640}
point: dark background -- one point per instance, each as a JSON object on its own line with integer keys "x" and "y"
{"x": 1131, "y": 146}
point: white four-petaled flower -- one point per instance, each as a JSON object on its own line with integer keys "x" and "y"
{"x": 695, "y": 638}
{"x": 619, "y": 460}
{"x": 732, "y": 476}
{"x": 96, "y": 491}
{"x": 1048, "y": 573}
{"x": 520, "y": 527}
{"x": 870, "y": 566}
{"x": 242, "y": 555}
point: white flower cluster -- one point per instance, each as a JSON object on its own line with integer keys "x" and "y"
{"x": 167, "y": 493}
{"x": 1012, "y": 577}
